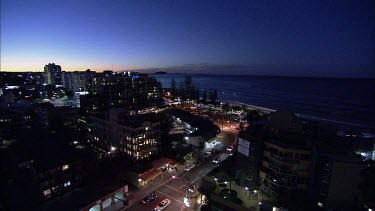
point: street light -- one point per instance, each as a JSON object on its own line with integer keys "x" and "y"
{"x": 230, "y": 184}
{"x": 140, "y": 184}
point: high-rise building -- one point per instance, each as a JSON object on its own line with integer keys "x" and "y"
{"x": 74, "y": 81}
{"x": 337, "y": 176}
{"x": 135, "y": 136}
{"x": 111, "y": 90}
{"x": 287, "y": 156}
{"x": 52, "y": 74}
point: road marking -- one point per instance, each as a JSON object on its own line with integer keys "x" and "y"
{"x": 170, "y": 197}
{"x": 174, "y": 189}
{"x": 182, "y": 207}
{"x": 194, "y": 180}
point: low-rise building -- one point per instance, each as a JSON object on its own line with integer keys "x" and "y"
{"x": 198, "y": 131}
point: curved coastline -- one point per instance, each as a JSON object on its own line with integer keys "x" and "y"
{"x": 308, "y": 117}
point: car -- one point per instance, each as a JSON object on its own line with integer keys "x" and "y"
{"x": 230, "y": 149}
{"x": 188, "y": 167}
{"x": 192, "y": 188}
{"x": 163, "y": 204}
{"x": 149, "y": 198}
{"x": 217, "y": 160}
{"x": 207, "y": 154}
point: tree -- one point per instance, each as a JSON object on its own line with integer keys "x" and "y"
{"x": 189, "y": 87}
{"x": 196, "y": 94}
{"x": 181, "y": 89}
{"x": 204, "y": 94}
{"x": 173, "y": 86}
{"x": 215, "y": 95}
{"x": 226, "y": 107}
{"x": 252, "y": 116}
{"x": 188, "y": 81}
{"x": 210, "y": 95}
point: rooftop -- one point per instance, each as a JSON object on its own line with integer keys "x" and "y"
{"x": 83, "y": 196}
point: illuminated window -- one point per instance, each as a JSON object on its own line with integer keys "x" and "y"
{"x": 65, "y": 167}
{"x": 47, "y": 192}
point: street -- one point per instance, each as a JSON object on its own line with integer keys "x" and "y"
{"x": 176, "y": 189}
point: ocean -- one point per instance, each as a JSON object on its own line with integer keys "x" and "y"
{"x": 343, "y": 101}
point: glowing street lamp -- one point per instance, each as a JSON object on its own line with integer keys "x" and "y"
{"x": 140, "y": 182}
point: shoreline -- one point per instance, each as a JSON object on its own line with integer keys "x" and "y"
{"x": 338, "y": 123}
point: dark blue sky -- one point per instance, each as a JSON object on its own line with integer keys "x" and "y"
{"x": 305, "y": 38}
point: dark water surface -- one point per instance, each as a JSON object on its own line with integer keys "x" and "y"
{"x": 348, "y": 101}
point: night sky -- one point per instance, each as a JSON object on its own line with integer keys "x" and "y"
{"x": 278, "y": 37}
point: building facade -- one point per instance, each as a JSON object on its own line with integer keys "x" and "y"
{"x": 337, "y": 176}
{"x": 111, "y": 90}
{"x": 286, "y": 162}
{"x": 52, "y": 74}
{"x": 74, "y": 81}
{"x": 284, "y": 167}
{"x": 135, "y": 136}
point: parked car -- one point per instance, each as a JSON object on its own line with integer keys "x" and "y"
{"x": 188, "y": 167}
{"x": 149, "y": 198}
{"x": 230, "y": 149}
{"x": 192, "y": 188}
{"x": 207, "y": 154}
{"x": 217, "y": 160}
{"x": 163, "y": 204}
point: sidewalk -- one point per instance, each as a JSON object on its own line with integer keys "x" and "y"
{"x": 135, "y": 195}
